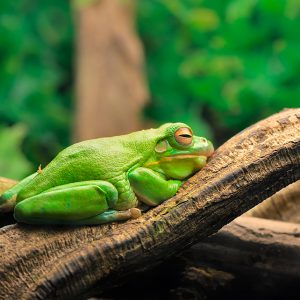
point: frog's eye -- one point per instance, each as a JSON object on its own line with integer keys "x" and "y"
{"x": 161, "y": 146}
{"x": 184, "y": 136}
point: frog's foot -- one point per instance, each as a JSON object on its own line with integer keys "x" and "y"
{"x": 135, "y": 213}
{"x": 111, "y": 216}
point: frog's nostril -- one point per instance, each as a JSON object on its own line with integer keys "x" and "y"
{"x": 203, "y": 140}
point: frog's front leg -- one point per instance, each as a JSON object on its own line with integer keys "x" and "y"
{"x": 151, "y": 187}
{"x": 87, "y": 202}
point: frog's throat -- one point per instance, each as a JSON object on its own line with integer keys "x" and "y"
{"x": 174, "y": 157}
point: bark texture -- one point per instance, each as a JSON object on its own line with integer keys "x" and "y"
{"x": 251, "y": 245}
{"x": 284, "y": 205}
{"x": 64, "y": 262}
{"x": 110, "y": 86}
{"x": 249, "y": 258}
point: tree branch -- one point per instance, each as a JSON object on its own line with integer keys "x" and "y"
{"x": 283, "y": 206}
{"x": 255, "y": 247}
{"x": 63, "y": 262}
{"x": 258, "y": 257}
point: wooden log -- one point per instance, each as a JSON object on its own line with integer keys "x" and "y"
{"x": 262, "y": 256}
{"x": 254, "y": 246}
{"x": 63, "y": 262}
{"x": 284, "y": 205}
{"x": 250, "y": 255}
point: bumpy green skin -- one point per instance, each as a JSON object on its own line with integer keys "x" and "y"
{"x": 103, "y": 180}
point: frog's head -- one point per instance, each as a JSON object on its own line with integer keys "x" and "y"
{"x": 178, "y": 153}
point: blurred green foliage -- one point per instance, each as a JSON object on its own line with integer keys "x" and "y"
{"x": 221, "y": 65}
{"x": 14, "y": 162}
{"x": 36, "y": 42}
{"x": 218, "y": 65}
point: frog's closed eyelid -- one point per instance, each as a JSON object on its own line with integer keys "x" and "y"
{"x": 183, "y": 136}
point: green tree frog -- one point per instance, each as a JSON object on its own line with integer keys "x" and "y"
{"x": 104, "y": 180}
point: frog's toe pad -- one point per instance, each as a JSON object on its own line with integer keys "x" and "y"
{"x": 135, "y": 213}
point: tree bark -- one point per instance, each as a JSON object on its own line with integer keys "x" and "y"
{"x": 249, "y": 258}
{"x": 284, "y": 205}
{"x": 257, "y": 257}
{"x": 63, "y": 262}
{"x": 110, "y": 86}
{"x": 254, "y": 246}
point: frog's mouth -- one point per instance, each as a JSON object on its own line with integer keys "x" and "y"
{"x": 175, "y": 157}
{"x": 182, "y": 156}
{"x": 202, "y": 154}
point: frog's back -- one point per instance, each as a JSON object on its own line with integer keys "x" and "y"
{"x": 98, "y": 159}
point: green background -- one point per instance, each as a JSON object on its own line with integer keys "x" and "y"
{"x": 217, "y": 65}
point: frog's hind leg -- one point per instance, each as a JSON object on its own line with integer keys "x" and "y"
{"x": 111, "y": 216}
{"x": 69, "y": 204}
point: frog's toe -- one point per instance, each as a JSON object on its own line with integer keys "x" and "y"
{"x": 135, "y": 213}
